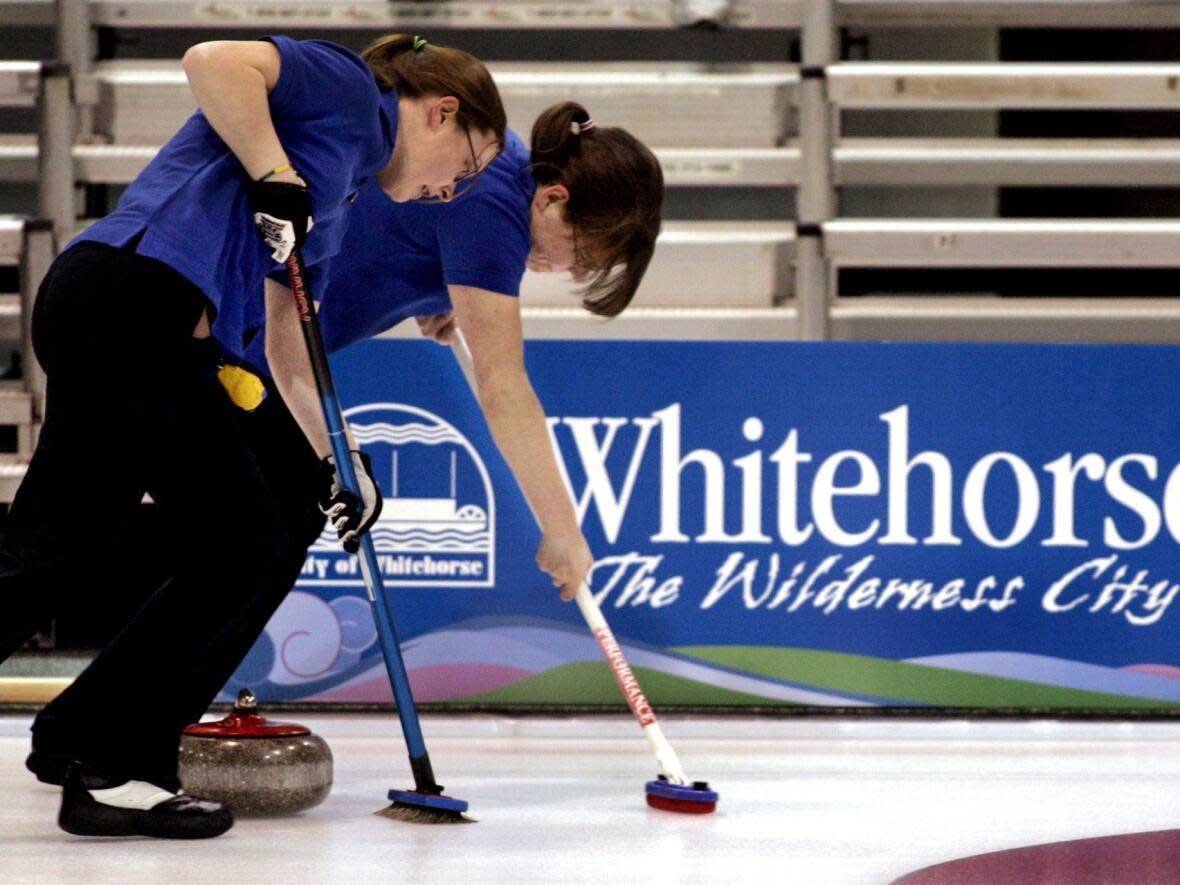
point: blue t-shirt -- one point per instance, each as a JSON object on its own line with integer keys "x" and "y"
{"x": 397, "y": 259}
{"x": 191, "y": 205}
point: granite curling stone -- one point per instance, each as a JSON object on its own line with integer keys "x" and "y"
{"x": 255, "y": 766}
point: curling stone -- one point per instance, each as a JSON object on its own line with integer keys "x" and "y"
{"x": 255, "y": 766}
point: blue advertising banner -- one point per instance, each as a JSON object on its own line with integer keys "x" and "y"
{"x": 773, "y": 524}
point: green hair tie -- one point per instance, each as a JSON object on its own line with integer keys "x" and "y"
{"x": 419, "y": 43}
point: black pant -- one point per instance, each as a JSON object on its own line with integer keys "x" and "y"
{"x": 293, "y": 473}
{"x": 132, "y": 406}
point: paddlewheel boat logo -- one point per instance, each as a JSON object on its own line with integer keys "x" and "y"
{"x": 437, "y": 525}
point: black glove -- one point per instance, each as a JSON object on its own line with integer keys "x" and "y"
{"x": 348, "y": 516}
{"x": 282, "y": 211}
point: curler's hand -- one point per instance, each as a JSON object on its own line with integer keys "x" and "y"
{"x": 440, "y": 328}
{"x": 282, "y": 212}
{"x": 348, "y": 516}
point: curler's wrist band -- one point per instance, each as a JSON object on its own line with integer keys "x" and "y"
{"x": 284, "y": 167}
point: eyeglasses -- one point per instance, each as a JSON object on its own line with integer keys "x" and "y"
{"x": 465, "y": 180}
{"x": 471, "y": 149}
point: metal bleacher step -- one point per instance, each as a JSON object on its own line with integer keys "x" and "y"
{"x": 994, "y": 85}
{"x": 11, "y": 474}
{"x": 1008, "y": 162}
{"x": 651, "y": 324}
{"x": 596, "y": 14}
{"x": 667, "y": 324}
{"x": 1007, "y": 13}
{"x": 698, "y": 264}
{"x": 674, "y": 104}
{"x": 16, "y": 404}
{"x": 18, "y": 157}
{"x": 729, "y": 167}
{"x": 394, "y": 16}
{"x": 859, "y": 162}
{"x": 12, "y": 228}
{"x": 10, "y": 326}
{"x": 27, "y": 13}
{"x": 998, "y": 242}
{"x": 885, "y": 317}
{"x": 995, "y": 318}
{"x": 16, "y": 411}
{"x": 11, "y": 246}
{"x": 662, "y": 103}
{"x": 93, "y": 163}
{"x": 683, "y": 167}
{"x": 19, "y": 83}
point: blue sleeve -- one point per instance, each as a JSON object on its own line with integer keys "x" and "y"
{"x": 483, "y": 243}
{"x": 317, "y": 79}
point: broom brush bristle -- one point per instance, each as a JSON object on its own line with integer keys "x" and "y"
{"x": 417, "y": 814}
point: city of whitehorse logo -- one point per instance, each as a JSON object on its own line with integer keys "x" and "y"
{"x": 437, "y": 525}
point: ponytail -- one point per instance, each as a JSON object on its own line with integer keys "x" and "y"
{"x": 557, "y": 135}
{"x": 616, "y": 194}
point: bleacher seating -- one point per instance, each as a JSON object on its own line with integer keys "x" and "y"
{"x": 745, "y": 125}
{"x": 669, "y": 105}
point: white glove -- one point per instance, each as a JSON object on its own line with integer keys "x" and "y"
{"x": 348, "y": 516}
{"x": 282, "y": 213}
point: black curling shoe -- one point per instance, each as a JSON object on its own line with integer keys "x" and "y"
{"x": 93, "y": 805}
{"x": 50, "y": 769}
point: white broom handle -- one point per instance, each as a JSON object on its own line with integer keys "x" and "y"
{"x": 628, "y": 684}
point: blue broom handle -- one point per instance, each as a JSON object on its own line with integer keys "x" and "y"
{"x": 390, "y": 647}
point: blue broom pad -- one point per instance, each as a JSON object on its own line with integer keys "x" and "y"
{"x": 427, "y": 800}
{"x": 680, "y": 792}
